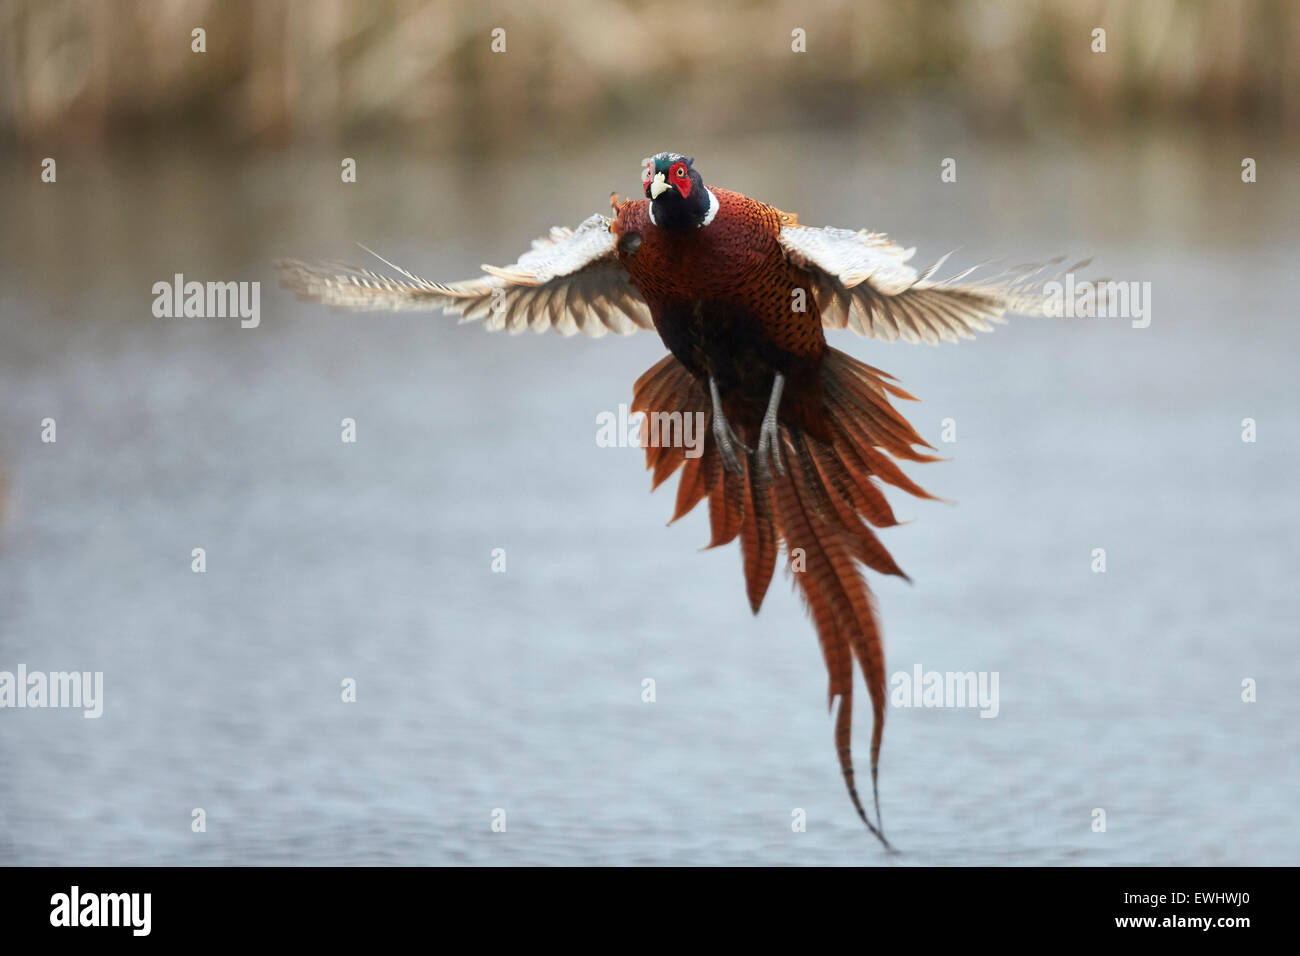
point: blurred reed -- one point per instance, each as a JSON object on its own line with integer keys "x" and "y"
{"x": 82, "y": 70}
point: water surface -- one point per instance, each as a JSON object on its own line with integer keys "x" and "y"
{"x": 522, "y": 690}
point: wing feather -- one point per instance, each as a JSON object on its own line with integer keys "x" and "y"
{"x": 569, "y": 280}
{"x": 862, "y": 281}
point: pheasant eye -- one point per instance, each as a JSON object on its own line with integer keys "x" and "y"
{"x": 681, "y": 171}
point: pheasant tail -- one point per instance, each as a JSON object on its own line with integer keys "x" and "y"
{"x": 821, "y": 509}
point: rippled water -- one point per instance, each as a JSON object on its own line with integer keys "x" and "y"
{"x": 522, "y": 690}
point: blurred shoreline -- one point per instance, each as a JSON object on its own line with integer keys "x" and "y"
{"x": 271, "y": 72}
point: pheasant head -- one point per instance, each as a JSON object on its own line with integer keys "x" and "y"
{"x": 678, "y": 198}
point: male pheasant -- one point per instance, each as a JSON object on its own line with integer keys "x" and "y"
{"x": 802, "y": 434}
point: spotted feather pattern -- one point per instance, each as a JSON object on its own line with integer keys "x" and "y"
{"x": 736, "y": 260}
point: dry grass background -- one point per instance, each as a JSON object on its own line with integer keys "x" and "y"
{"x": 83, "y": 70}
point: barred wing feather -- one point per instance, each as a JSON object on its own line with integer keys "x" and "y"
{"x": 570, "y": 281}
{"x": 862, "y": 281}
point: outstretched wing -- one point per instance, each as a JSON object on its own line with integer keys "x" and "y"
{"x": 570, "y": 280}
{"x": 862, "y": 280}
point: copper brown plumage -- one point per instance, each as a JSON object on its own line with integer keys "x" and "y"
{"x": 821, "y": 510}
{"x": 803, "y": 436}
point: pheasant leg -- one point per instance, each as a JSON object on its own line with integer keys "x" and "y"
{"x": 723, "y": 433}
{"x": 769, "y": 434}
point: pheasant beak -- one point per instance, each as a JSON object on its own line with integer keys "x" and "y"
{"x": 659, "y": 185}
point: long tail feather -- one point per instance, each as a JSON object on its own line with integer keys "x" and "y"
{"x": 822, "y": 509}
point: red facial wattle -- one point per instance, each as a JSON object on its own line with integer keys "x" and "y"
{"x": 679, "y": 177}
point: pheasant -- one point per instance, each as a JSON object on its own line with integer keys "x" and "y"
{"x": 802, "y": 436}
